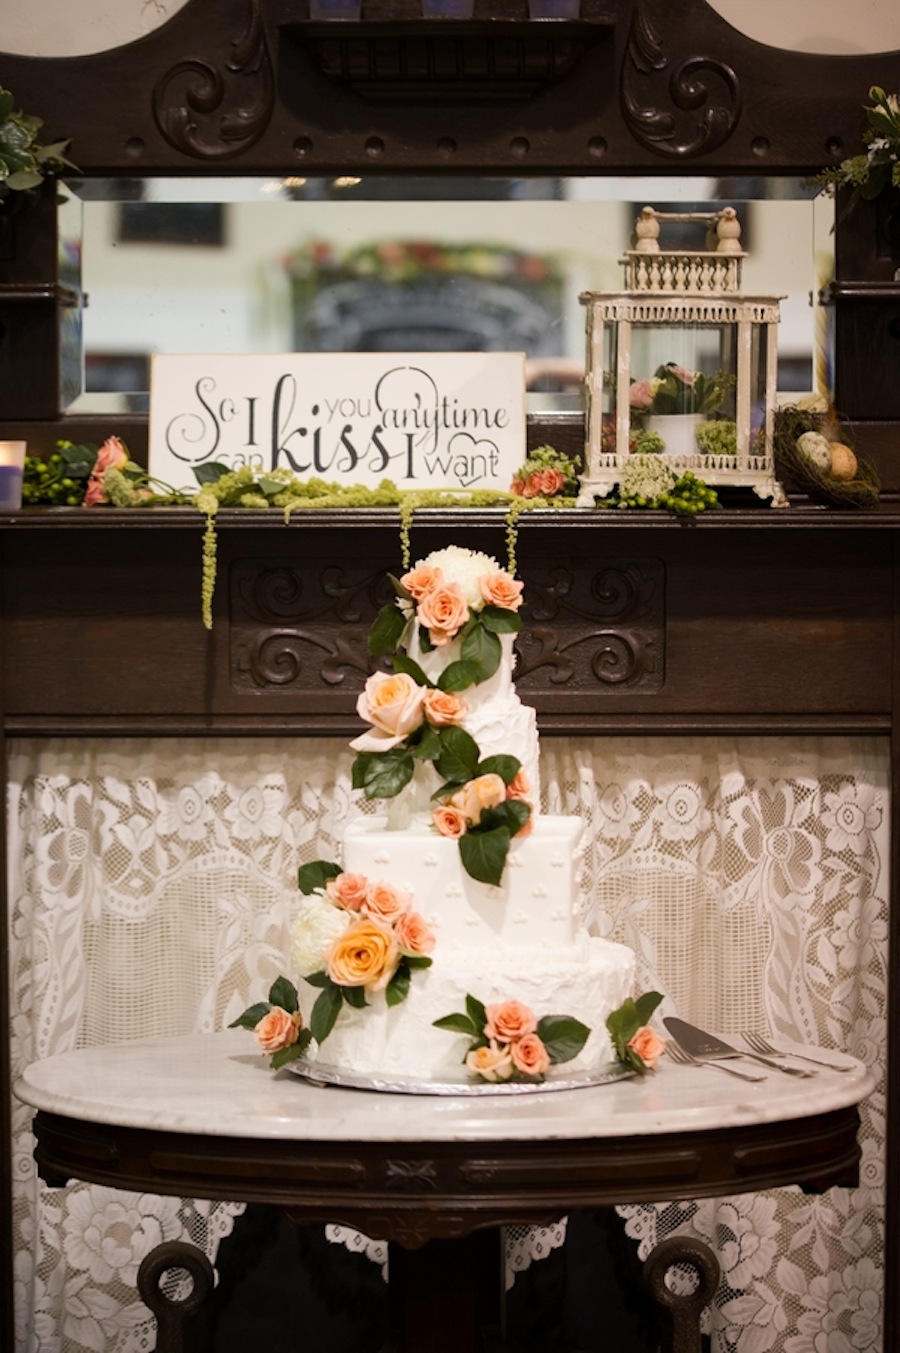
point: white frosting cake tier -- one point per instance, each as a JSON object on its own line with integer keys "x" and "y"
{"x": 496, "y": 718}
{"x": 587, "y": 979}
{"x": 535, "y": 903}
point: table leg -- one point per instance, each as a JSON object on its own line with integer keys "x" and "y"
{"x": 175, "y": 1316}
{"x": 447, "y": 1296}
{"x": 681, "y": 1312}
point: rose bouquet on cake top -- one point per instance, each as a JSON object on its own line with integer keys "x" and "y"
{"x": 453, "y": 597}
{"x": 353, "y": 937}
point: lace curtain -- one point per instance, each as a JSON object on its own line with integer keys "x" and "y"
{"x": 152, "y": 883}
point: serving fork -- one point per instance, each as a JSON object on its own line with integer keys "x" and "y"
{"x": 678, "y": 1054}
{"x": 762, "y": 1045}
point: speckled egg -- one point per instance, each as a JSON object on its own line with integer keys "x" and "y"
{"x": 816, "y": 447}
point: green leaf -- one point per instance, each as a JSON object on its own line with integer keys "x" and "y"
{"x": 397, "y": 988}
{"x": 428, "y": 746}
{"x": 251, "y": 1016}
{"x": 314, "y": 876}
{"x": 284, "y": 994}
{"x": 483, "y": 854}
{"x": 409, "y": 667}
{"x": 645, "y": 1005}
{"x": 457, "y": 1024}
{"x": 270, "y": 485}
{"x": 483, "y": 649}
{"x": 417, "y": 960}
{"x": 385, "y": 633}
{"x": 511, "y": 814}
{"x": 458, "y": 676}
{"x": 477, "y": 1014}
{"x": 211, "y": 473}
{"x": 355, "y": 997}
{"x": 383, "y": 774}
{"x": 317, "y": 979}
{"x": 507, "y": 767}
{"x": 562, "y": 1036}
{"x": 459, "y": 755}
{"x": 500, "y": 620}
{"x": 325, "y": 1012}
{"x": 291, "y": 1054}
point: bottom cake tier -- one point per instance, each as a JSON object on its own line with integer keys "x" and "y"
{"x": 587, "y": 980}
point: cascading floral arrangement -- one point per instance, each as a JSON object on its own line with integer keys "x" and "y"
{"x": 461, "y": 598}
{"x": 878, "y": 166}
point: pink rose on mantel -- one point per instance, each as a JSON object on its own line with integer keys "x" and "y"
{"x": 508, "y": 1020}
{"x": 443, "y": 612}
{"x": 348, "y": 891}
{"x": 111, "y": 456}
{"x": 277, "y": 1030}
{"x": 394, "y": 704}
{"x": 648, "y": 1045}
{"x": 640, "y": 395}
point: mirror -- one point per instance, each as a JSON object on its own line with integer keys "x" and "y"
{"x": 239, "y": 265}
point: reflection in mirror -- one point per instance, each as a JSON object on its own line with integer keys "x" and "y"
{"x": 235, "y": 265}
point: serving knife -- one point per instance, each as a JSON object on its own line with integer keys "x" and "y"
{"x": 707, "y": 1048}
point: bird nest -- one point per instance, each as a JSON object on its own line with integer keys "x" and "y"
{"x": 798, "y": 473}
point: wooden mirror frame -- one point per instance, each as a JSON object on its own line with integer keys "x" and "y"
{"x": 253, "y": 87}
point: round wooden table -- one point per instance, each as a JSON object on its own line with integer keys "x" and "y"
{"x": 203, "y": 1116}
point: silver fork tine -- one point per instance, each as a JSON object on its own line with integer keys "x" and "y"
{"x": 678, "y": 1054}
{"x": 760, "y": 1044}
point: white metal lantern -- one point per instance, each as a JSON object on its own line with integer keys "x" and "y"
{"x": 683, "y": 363}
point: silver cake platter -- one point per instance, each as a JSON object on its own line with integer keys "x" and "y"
{"x": 320, "y": 1073}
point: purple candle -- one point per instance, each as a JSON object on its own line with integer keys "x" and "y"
{"x": 10, "y": 484}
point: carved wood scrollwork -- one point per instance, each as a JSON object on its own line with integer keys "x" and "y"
{"x": 288, "y": 633}
{"x": 213, "y": 110}
{"x": 703, "y": 94}
{"x": 609, "y": 631}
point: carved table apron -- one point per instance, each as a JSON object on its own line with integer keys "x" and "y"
{"x": 202, "y": 1116}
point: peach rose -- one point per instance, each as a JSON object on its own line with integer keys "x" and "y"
{"x": 421, "y": 580}
{"x": 111, "y": 456}
{"x": 501, "y": 589}
{"x": 491, "y": 1063}
{"x": 523, "y": 486}
{"x": 393, "y": 703}
{"x": 647, "y": 1044}
{"x": 277, "y": 1029}
{"x": 529, "y": 1055}
{"x": 519, "y": 787}
{"x": 348, "y": 891}
{"x": 443, "y": 612}
{"x": 485, "y": 791}
{"x": 366, "y": 955}
{"x": 444, "y": 708}
{"x": 549, "y": 482}
{"x": 386, "y": 901}
{"x": 509, "y": 1020}
{"x": 449, "y": 821}
{"x": 413, "y": 934}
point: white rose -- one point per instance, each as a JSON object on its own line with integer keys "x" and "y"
{"x": 316, "y": 928}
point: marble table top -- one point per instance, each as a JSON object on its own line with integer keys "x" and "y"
{"x": 218, "y": 1085}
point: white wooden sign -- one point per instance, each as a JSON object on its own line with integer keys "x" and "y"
{"x": 424, "y": 420}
